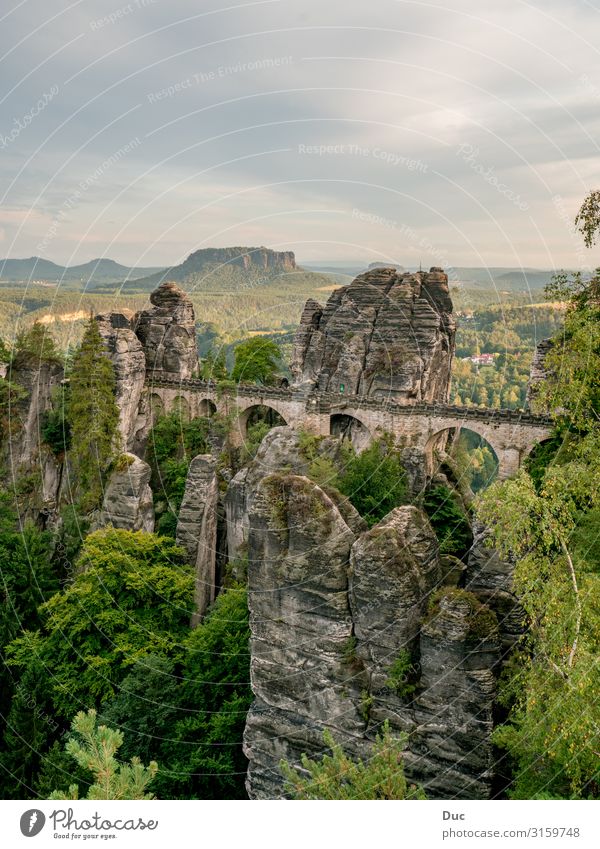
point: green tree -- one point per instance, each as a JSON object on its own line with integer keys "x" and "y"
{"x": 448, "y": 519}
{"x": 555, "y": 718}
{"x": 5, "y": 353}
{"x": 547, "y": 524}
{"x": 131, "y": 596}
{"x": 36, "y": 344}
{"x": 94, "y": 747}
{"x": 572, "y": 386}
{"x": 374, "y": 480}
{"x": 203, "y": 748}
{"x": 31, "y": 723}
{"x": 588, "y": 218}
{"x": 145, "y": 707}
{"x": 172, "y": 444}
{"x": 93, "y": 415}
{"x": 10, "y": 395}
{"x": 257, "y": 360}
{"x": 336, "y": 776}
{"x": 214, "y": 365}
{"x": 55, "y": 429}
{"x": 28, "y": 579}
{"x": 58, "y": 769}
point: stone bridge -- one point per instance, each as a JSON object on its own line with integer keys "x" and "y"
{"x": 511, "y": 433}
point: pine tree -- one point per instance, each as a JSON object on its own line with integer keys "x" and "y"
{"x": 36, "y": 344}
{"x": 336, "y": 776}
{"x": 93, "y": 415}
{"x": 94, "y": 748}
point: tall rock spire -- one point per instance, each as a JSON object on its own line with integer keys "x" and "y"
{"x": 388, "y": 334}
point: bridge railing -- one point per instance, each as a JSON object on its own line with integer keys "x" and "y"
{"x": 327, "y": 402}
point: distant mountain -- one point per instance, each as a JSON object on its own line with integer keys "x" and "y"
{"x": 27, "y": 269}
{"x": 524, "y": 279}
{"x": 221, "y": 268}
{"x": 507, "y": 279}
{"x": 97, "y": 271}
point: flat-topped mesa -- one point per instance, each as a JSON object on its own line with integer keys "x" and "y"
{"x": 167, "y": 332}
{"x": 389, "y": 334}
{"x": 258, "y": 259}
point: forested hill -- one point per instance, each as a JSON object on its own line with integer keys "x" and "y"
{"x": 95, "y": 272}
{"x": 223, "y": 269}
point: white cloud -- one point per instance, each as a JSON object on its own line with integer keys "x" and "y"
{"x": 516, "y": 80}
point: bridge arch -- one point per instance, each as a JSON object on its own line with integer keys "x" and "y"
{"x": 181, "y": 405}
{"x": 157, "y": 406}
{"x": 544, "y": 450}
{"x": 206, "y": 407}
{"x": 255, "y": 413}
{"x": 348, "y": 426}
{"x": 477, "y": 457}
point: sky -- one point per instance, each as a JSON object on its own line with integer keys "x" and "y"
{"x": 457, "y": 133}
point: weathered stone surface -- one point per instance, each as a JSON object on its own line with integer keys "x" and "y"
{"x": 24, "y": 454}
{"x": 127, "y": 356}
{"x": 539, "y": 370}
{"x": 167, "y": 332}
{"x": 298, "y": 548}
{"x": 331, "y": 612}
{"x": 280, "y": 449}
{"x": 451, "y": 748}
{"x": 127, "y": 499}
{"x": 415, "y": 464}
{"x": 40, "y": 381}
{"x": 394, "y": 568}
{"x": 236, "y": 516}
{"x": 490, "y": 578}
{"x": 197, "y": 528}
{"x": 387, "y": 334}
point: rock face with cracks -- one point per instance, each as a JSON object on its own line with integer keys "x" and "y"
{"x": 127, "y": 356}
{"x": 167, "y": 332}
{"x": 388, "y": 334}
{"x": 128, "y": 502}
{"x": 197, "y": 529}
{"x": 280, "y": 449}
{"x": 334, "y": 610}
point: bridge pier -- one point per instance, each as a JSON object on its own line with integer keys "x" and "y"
{"x": 509, "y": 461}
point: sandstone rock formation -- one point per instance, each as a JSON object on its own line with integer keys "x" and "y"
{"x": 127, "y": 499}
{"x": 538, "y": 371}
{"x": 301, "y": 671}
{"x": 394, "y": 569}
{"x": 127, "y": 356}
{"x": 280, "y": 449}
{"x": 40, "y": 381}
{"x": 167, "y": 332}
{"x": 197, "y": 529}
{"x": 388, "y": 334}
{"x": 333, "y": 610}
{"x": 453, "y": 709}
{"x": 24, "y": 453}
{"x": 210, "y": 266}
{"x": 261, "y": 259}
{"x": 490, "y": 578}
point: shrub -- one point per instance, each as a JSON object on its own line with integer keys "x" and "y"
{"x": 374, "y": 481}
{"x": 336, "y": 776}
{"x": 448, "y": 520}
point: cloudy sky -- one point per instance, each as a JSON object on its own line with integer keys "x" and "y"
{"x": 458, "y": 133}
